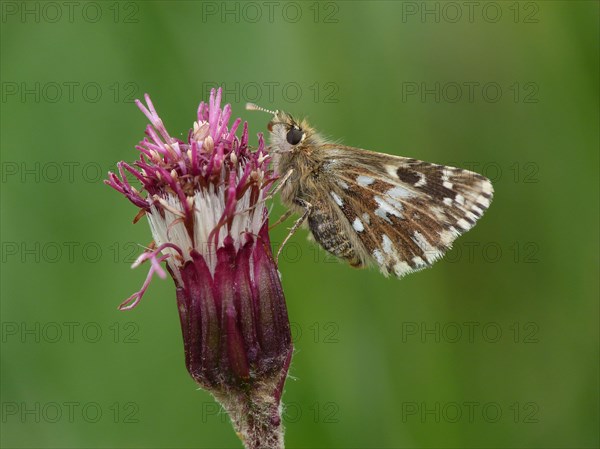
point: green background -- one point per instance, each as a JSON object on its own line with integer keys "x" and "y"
{"x": 378, "y": 362}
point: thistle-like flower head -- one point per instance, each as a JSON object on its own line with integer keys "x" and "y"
{"x": 204, "y": 201}
{"x": 201, "y": 195}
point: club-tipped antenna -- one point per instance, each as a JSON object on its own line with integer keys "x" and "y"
{"x": 255, "y": 107}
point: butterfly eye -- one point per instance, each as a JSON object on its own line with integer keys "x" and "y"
{"x": 294, "y": 136}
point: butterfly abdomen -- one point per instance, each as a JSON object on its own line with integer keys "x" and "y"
{"x": 330, "y": 235}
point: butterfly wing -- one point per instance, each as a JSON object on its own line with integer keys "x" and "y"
{"x": 403, "y": 213}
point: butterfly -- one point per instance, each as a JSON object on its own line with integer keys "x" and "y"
{"x": 399, "y": 213}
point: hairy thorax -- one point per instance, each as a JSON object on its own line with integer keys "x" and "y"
{"x": 300, "y": 185}
{"x": 303, "y": 190}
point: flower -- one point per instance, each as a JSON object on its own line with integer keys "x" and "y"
{"x": 204, "y": 201}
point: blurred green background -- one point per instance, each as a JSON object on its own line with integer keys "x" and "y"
{"x": 496, "y": 346}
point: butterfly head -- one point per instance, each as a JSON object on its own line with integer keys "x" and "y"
{"x": 287, "y": 133}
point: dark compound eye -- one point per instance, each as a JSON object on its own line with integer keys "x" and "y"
{"x": 294, "y": 136}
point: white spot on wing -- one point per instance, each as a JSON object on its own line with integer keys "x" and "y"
{"x": 483, "y": 201}
{"x": 486, "y": 186}
{"x": 366, "y": 218}
{"x": 337, "y": 199}
{"x": 392, "y": 170}
{"x": 401, "y": 268}
{"x": 431, "y": 253}
{"x": 472, "y": 216}
{"x": 378, "y": 256}
{"x": 446, "y": 173}
{"x": 448, "y": 236}
{"x": 464, "y": 224}
{"x": 421, "y": 182}
{"x": 364, "y": 181}
{"x": 342, "y": 184}
{"x": 439, "y": 213}
{"x": 357, "y": 225}
{"x": 459, "y": 198}
{"x": 386, "y": 244}
{"x": 421, "y": 241}
{"x": 448, "y": 201}
{"x": 418, "y": 261}
{"x": 399, "y": 192}
{"x": 385, "y": 208}
{"x": 448, "y": 185}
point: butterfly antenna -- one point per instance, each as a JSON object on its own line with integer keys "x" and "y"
{"x": 255, "y": 107}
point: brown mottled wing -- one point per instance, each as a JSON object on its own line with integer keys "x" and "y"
{"x": 404, "y": 212}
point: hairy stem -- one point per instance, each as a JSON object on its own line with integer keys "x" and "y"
{"x": 256, "y": 417}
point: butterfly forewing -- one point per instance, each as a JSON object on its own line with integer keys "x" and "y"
{"x": 402, "y": 213}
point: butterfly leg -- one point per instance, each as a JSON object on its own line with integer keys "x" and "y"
{"x": 307, "y": 209}
{"x": 280, "y": 184}
{"x": 281, "y": 219}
